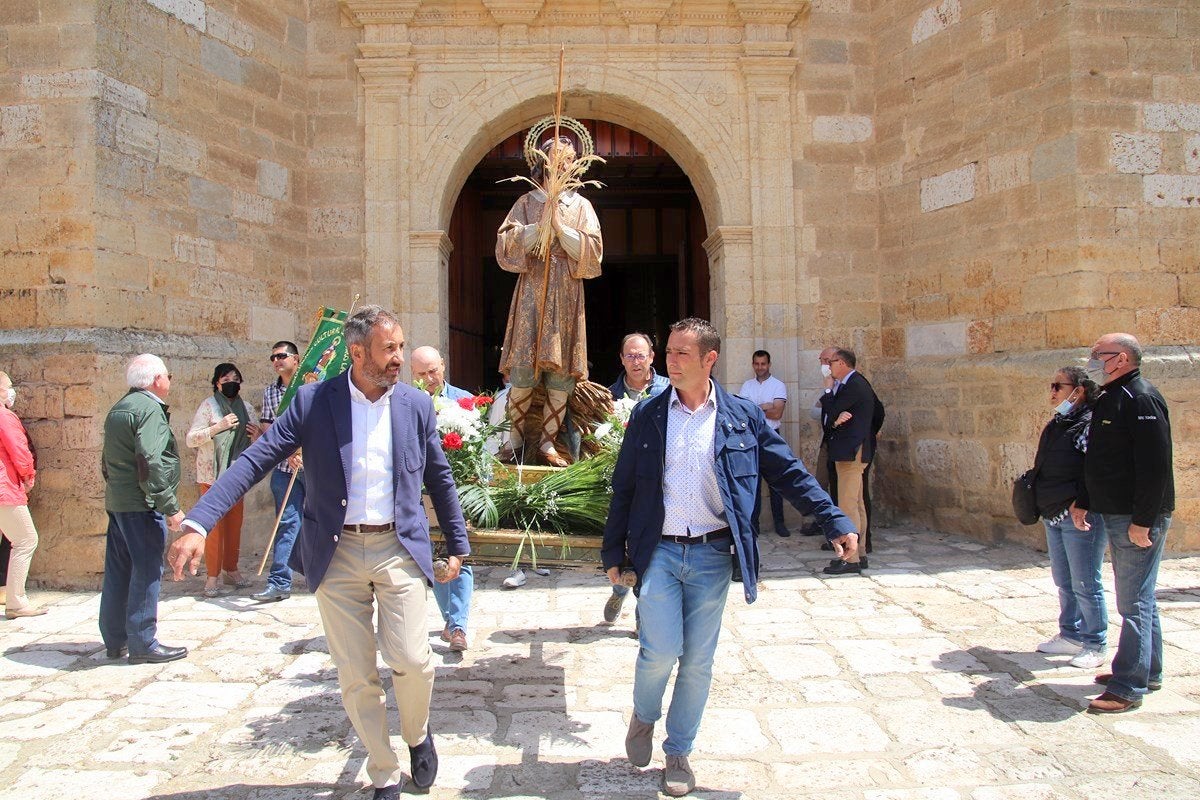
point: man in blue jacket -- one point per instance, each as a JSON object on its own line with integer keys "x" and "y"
{"x": 369, "y": 444}
{"x": 683, "y": 492}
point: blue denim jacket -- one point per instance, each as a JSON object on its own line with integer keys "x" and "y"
{"x": 744, "y": 447}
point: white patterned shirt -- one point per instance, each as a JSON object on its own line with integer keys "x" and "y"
{"x": 371, "y": 497}
{"x": 691, "y": 496}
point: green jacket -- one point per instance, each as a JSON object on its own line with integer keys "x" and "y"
{"x": 140, "y": 461}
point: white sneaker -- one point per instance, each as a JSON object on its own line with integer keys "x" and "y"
{"x": 541, "y": 571}
{"x": 1060, "y": 645}
{"x": 1090, "y": 658}
{"x": 514, "y": 581}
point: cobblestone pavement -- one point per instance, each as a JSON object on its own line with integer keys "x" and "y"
{"x": 916, "y": 682}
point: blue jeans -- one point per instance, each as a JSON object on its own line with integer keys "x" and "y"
{"x": 1135, "y": 570}
{"x": 679, "y": 616}
{"x": 776, "y": 508}
{"x": 289, "y": 527}
{"x": 133, "y": 568}
{"x": 454, "y": 598}
{"x": 1075, "y": 560}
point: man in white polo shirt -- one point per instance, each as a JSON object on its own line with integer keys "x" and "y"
{"x": 769, "y": 394}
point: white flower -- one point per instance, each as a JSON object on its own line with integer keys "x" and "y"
{"x": 603, "y": 430}
{"x": 453, "y": 418}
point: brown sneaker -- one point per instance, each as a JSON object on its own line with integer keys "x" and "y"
{"x": 458, "y": 640}
{"x": 678, "y": 778}
{"x": 1109, "y": 703}
{"x": 639, "y": 742}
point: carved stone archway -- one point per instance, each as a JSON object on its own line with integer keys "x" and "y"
{"x": 713, "y": 88}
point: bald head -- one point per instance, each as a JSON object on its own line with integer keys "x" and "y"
{"x": 427, "y": 365}
{"x": 1118, "y": 354}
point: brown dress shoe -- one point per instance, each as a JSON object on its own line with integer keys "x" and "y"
{"x": 1109, "y": 703}
{"x": 458, "y": 640}
{"x": 446, "y": 634}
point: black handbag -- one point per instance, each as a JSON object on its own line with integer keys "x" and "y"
{"x": 1024, "y": 498}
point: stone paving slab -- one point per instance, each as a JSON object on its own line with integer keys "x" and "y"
{"x": 917, "y": 681}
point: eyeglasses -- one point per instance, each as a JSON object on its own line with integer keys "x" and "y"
{"x": 635, "y": 357}
{"x": 1097, "y": 353}
{"x": 1055, "y": 386}
{"x": 281, "y": 356}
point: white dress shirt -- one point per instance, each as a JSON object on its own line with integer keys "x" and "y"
{"x": 371, "y": 497}
{"x": 691, "y": 496}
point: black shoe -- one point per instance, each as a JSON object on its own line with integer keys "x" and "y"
{"x": 841, "y": 567}
{"x": 387, "y": 792}
{"x": 116, "y": 652}
{"x": 810, "y": 530}
{"x": 782, "y": 531}
{"x": 827, "y": 546}
{"x": 862, "y": 562}
{"x": 423, "y": 762}
{"x": 159, "y": 654}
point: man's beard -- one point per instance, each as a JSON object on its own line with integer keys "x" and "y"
{"x": 377, "y": 376}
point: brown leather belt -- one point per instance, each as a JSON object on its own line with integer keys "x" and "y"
{"x": 363, "y": 528}
{"x": 712, "y": 536}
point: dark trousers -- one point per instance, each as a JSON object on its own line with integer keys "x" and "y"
{"x": 865, "y": 542}
{"x": 133, "y": 568}
{"x": 776, "y": 500}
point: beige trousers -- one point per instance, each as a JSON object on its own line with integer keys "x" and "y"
{"x": 369, "y": 571}
{"x": 850, "y": 490}
{"x": 17, "y": 526}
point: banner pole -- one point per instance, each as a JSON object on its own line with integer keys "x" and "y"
{"x": 278, "y": 518}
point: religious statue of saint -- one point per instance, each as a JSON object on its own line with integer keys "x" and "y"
{"x": 551, "y": 239}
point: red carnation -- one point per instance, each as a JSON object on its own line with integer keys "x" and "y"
{"x": 466, "y": 403}
{"x": 482, "y": 401}
{"x": 452, "y": 441}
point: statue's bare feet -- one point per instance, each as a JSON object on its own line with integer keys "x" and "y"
{"x": 551, "y": 456}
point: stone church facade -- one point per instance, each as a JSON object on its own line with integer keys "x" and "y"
{"x": 965, "y": 192}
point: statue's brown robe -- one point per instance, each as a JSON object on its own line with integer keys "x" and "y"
{"x": 563, "y": 346}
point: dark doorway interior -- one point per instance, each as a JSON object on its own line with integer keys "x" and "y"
{"x": 655, "y": 270}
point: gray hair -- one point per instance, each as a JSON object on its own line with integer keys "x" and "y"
{"x": 1130, "y": 345}
{"x": 362, "y": 322}
{"x": 143, "y": 369}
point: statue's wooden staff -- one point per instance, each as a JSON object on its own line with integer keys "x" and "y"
{"x": 553, "y": 163}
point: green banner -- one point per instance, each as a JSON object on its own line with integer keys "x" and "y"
{"x": 325, "y": 357}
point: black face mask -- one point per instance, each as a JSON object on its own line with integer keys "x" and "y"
{"x": 231, "y": 389}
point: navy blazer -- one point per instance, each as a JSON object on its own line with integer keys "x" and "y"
{"x": 842, "y": 442}
{"x": 744, "y": 447}
{"x": 318, "y": 420}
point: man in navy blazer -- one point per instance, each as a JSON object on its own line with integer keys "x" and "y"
{"x": 683, "y": 492}
{"x": 848, "y": 415}
{"x": 369, "y": 444}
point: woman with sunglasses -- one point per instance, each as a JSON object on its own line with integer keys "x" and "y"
{"x": 220, "y": 431}
{"x": 1075, "y": 556}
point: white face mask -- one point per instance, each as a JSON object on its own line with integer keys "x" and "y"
{"x": 826, "y": 372}
{"x": 1064, "y": 407}
{"x": 10, "y": 396}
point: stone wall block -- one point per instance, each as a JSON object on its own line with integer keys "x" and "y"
{"x": 229, "y": 30}
{"x": 189, "y": 12}
{"x": 845, "y": 128}
{"x": 1172, "y": 191}
{"x": 1136, "y": 153}
{"x": 273, "y": 179}
{"x": 253, "y": 208}
{"x": 179, "y": 151}
{"x": 1170, "y": 117}
{"x": 136, "y": 135}
{"x": 941, "y": 339}
{"x": 948, "y": 189}
{"x": 1007, "y": 171}
{"x": 41, "y": 401}
{"x": 195, "y": 250}
{"x": 221, "y": 61}
{"x": 21, "y": 125}
{"x": 1053, "y": 159}
{"x": 935, "y": 19}
{"x": 118, "y": 93}
{"x": 209, "y": 196}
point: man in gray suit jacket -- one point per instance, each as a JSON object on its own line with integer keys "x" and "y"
{"x": 369, "y": 444}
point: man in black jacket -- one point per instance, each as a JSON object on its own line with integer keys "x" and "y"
{"x": 848, "y": 417}
{"x": 1128, "y": 480}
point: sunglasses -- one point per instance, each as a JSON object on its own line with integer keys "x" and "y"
{"x": 281, "y": 356}
{"x": 1055, "y": 386}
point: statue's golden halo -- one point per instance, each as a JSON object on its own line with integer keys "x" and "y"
{"x": 587, "y": 147}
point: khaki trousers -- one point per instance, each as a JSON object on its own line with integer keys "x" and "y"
{"x": 369, "y": 570}
{"x": 17, "y": 525}
{"x": 850, "y": 490}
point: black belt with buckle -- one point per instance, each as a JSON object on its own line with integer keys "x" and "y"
{"x": 364, "y": 528}
{"x": 712, "y": 536}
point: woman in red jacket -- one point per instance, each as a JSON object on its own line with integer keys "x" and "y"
{"x": 16, "y": 478}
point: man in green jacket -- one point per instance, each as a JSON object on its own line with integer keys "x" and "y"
{"x": 140, "y": 463}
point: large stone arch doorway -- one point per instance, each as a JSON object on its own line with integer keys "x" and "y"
{"x": 655, "y": 264}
